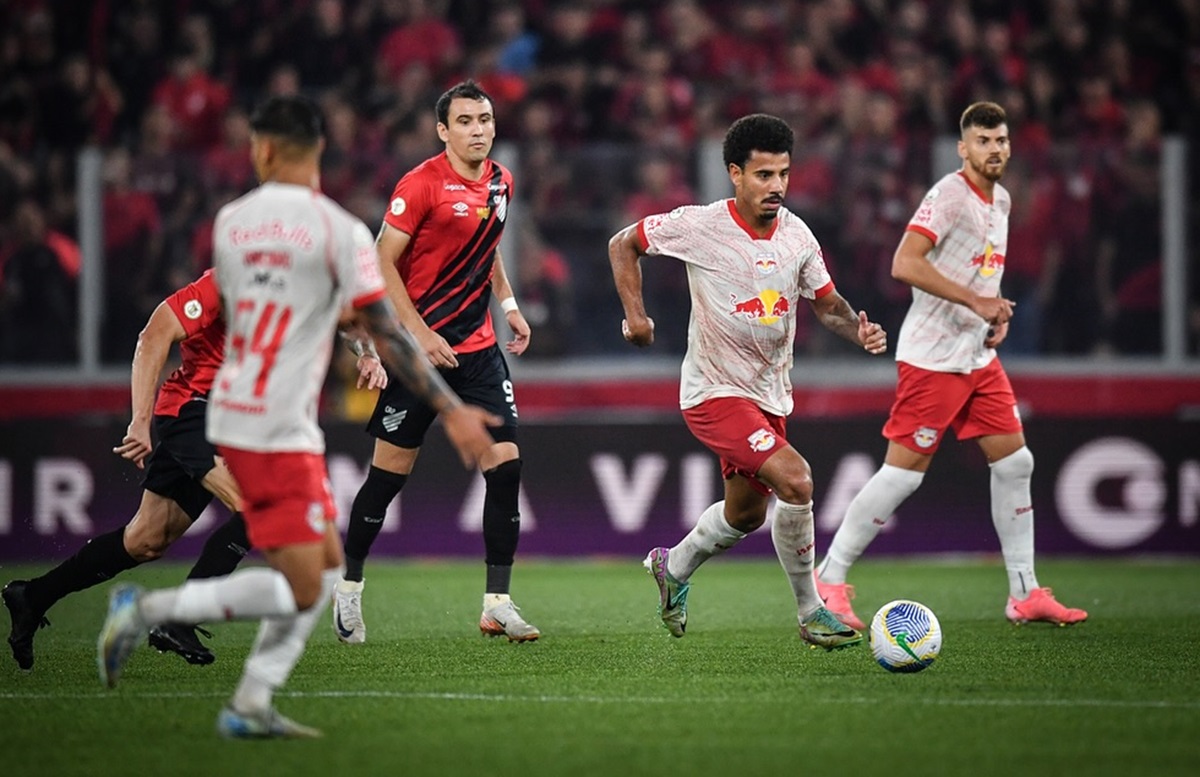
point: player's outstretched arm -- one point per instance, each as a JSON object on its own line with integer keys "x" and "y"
{"x": 624, "y": 254}
{"x": 838, "y": 317}
{"x": 466, "y": 425}
{"x": 153, "y": 346}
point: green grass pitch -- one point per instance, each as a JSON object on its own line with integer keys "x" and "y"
{"x": 608, "y": 692}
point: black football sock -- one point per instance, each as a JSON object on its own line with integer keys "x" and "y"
{"x": 223, "y": 550}
{"x": 101, "y": 558}
{"x": 367, "y": 515}
{"x": 501, "y": 523}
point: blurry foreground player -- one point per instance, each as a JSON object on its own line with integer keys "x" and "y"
{"x": 952, "y": 254}
{"x": 182, "y": 476}
{"x": 750, "y": 264}
{"x": 289, "y": 263}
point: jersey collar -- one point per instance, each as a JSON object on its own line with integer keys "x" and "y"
{"x": 976, "y": 189}
{"x": 741, "y": 222}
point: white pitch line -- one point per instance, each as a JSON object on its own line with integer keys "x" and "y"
{"x": 537, "y": 699}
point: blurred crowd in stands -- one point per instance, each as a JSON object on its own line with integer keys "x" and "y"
{"x": 606, "y": 104}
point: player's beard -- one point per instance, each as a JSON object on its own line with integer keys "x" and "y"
{"x": 989, "y": 174}
{"x": 766, "y": 214}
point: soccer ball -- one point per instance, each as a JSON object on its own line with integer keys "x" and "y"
{"x": 905, "y": 636}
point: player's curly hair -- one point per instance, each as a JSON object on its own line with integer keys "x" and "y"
{"x": 756, "y": 132}
{"x": 467, "y": 89}
{"x": 985, "y": 115}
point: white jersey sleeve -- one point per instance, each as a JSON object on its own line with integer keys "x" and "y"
{"x": 970, "y": 237}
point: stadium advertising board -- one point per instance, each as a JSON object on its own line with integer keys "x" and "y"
{"x": 1101, "y": 487}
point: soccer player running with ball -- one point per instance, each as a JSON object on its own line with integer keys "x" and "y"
{"x": 952, "y": 254}
{"x": 439, "y": 253}
{"x": 289, "y": 264}
{"x": 750, "y": 262}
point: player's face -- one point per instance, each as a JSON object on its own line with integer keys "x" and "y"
{"x": 471, "y": 131}
{"x": 761, "y": 185}
{"x": 986, "y": 150}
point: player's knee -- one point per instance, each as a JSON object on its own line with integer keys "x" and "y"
{"x": 144, "y": 542}
{"x": 1016, "y": 465}
{"x": 307, "y": 592}
{"x": 796, "y": 489}
{"x": 504, "y": 482}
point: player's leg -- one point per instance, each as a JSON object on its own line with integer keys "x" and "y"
{"x": 199, "y": 474}
{"x": 482, "y": 379}
{"x": 993, "y": 419}
{"x": 723, "y": 426}
{"x": 158, "y": 522}
{"x": 793, "y": 535}
{"x": 398, "y": 424}
{"x": 312, "y": 570}
{"x": 926, "y": 404}
{"x": 1011, "y": 465}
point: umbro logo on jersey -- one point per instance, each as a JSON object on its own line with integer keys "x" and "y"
{"x": 393, "y": 418}
{"x": 460, "y": 208}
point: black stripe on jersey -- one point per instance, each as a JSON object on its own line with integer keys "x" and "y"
{"x": 465, "y": 275}
{"x": 451, "y": 315}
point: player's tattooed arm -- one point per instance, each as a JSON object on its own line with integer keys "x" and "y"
{"x": 837, "y": 316}
{"x": 404, "y": 356}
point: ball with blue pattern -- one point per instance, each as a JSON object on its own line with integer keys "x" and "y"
{"x": 905, "y": 636}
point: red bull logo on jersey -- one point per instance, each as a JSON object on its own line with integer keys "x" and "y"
{"x": 766, "y": 308}
{"x": 989, "y": 262}
{"x": 765, "y": 263}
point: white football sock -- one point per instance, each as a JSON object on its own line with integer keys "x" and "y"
{"x": 865, "y": 516}
{"x": 710, "y": 537}
{"x": 1012, "y": 514}
{"x": 247, "y": 594}
{"x": 279, "y": 645}
{"x": 792, "y": 533}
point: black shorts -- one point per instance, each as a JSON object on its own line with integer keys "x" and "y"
{"x": 481, "y": 378}
{"x": 181, "y": 459}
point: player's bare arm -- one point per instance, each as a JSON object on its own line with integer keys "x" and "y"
{"x": 371, "y": 373}
{"x": 836, "y": 315}
{"x": 910, "y": 265}
{"x": 391, "y": 245}
{"x": 508, "y": 302}
{"x": 466, "y": 425}
{"x": 153, "y": 346}
{"x": 624, "y": 253}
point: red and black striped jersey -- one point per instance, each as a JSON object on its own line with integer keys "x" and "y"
{"x": 455, "y": 226}
{"x": 198, "y": 308}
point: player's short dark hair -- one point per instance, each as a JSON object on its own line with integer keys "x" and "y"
{"x": 985, "y": 115}
{"x": 468, "y": 90}
{"x": 293, "y": 118}
{"x": 756, "y": 132}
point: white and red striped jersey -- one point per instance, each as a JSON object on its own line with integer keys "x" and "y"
{"x": 288, "y": 260}
{"x": 744, "y": 290}
{"x": 970, "y": 239}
